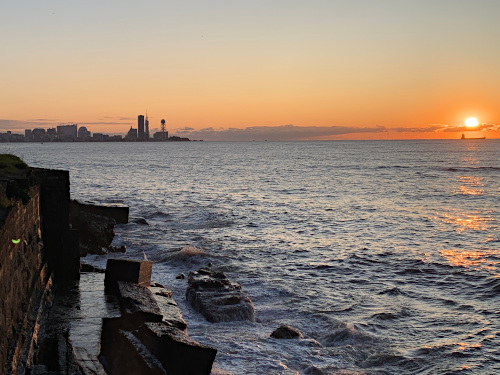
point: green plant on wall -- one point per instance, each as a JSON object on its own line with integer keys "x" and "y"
{"x": 10, "y": 166}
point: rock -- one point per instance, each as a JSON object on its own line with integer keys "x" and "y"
{"x": 96, "y": 225}
{"x": 140, "y": 220}
{"x": 286, "y": 332}
{"x": 313, "y": 370}
{"x": 180, "y": 276}
{"x": 157, "y": 285}
{"x": 164, "y": 293}
{"x": 136, "y": 271}
{"x": 217, "y": 298}
{"x": 171, "y": 314}
{"x": 96, "y": 232}
{"x": 176, "y": 351}
{"x": 114, "y": 249}
{"x": 85, "y": 267}
{"x": 138, "y": 301}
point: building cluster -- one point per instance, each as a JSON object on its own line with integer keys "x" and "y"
{"x": 73, "y": 133}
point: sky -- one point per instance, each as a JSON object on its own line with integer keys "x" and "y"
{"x": 253, "y": 70}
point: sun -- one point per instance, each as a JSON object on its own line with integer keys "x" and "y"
{"x": 471, "y": 122}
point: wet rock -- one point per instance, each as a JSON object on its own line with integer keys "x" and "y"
{"x": 96, "y": 225}
{"x": 96, "y": 232}
{"x": 138, "y": 301}
{"x": 171, "y": 313}
{"x": 154, "y": 284}
{"x": 164, "y": 293}
{"x": 217, "y": 298}
{"x": 286, "y": 332}
{"x": 313, "y": 370}
{"x": 141, "y": 221}
{"x": 85, "y": 267}
{"x": 180, "y": 276}
{"x": 115, "y": 249}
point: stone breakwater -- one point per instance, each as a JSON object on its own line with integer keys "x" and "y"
{"x": 150, "y": 335}
{"x": 55, "y": 319}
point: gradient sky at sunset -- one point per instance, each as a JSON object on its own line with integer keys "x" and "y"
{"x": 227, "y": 69}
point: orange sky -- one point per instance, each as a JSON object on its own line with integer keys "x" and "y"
{"x": 400, "y": 66}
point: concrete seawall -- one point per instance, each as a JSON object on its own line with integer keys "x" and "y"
{"x": 56, "y": 320}
{"x": 37, "y": 248}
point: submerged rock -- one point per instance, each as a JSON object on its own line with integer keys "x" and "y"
{"x": 140, "y": 220}
{"x": 313, "y": 370}
{"x": 286, "y": 332}
{"x": 217, "y": 298}
{"x": 116, "y": 249}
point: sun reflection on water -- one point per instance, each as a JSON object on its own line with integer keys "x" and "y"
{"x": 465, "y": 222}
{"x": 484, "y": 259}
{"x": 470, "y": 185}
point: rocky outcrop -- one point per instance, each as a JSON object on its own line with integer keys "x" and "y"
{"x": 217, "y": 298}
{"x": 96, "y": 225}
{"x": 96, "y": 232}
{"x": 286, "y": 332}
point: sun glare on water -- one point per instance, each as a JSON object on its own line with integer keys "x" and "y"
{"x": 471, "y": 122}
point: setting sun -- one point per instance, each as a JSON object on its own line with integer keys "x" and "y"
{"x": 471, "y": 122}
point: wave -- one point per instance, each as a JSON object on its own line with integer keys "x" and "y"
{"x": 472, "y": 169}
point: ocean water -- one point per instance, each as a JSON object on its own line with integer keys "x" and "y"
{"x": 384, "y": 254}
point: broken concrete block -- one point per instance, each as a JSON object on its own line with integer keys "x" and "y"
{"x": 138, "y": 301}
{"x": 128, "y": 356}
{"x": 179, "y": 354}
{"x": 135, "y": 271}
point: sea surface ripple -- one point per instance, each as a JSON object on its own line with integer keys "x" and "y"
{"x": 385, "y": 254}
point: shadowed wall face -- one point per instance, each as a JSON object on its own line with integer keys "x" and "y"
{"x": 21, "y": 273}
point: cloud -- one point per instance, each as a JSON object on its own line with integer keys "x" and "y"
{"x": 19, "y": 126}
{"x": 274, "y": 133}
{"x": 44, "y": 120}
{"x": 104, "y": 123}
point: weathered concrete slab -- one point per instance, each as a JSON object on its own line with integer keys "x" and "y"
{"x": 128, "y": 356}
{"x": 135, "y": 271}
{"x": 138, "y": 301}
{"x": 178, "y": 354}
{"x": 87, "y": 363}
{"x": 119, "y": 212}
{"x": 172, "y": 315}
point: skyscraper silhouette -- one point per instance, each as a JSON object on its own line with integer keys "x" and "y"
{"x": 147, "y": 127}
{"x": 140, "y": 127}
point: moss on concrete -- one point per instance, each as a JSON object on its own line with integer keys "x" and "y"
{"x": 12, "y": 168}
{"x": 12, "y": 165}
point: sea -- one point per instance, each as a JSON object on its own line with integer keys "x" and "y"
{"x": 384, "y": 254}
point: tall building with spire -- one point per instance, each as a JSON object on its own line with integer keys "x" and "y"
{"x": 140, "y": 127}
{"x": 147, "y": 127}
